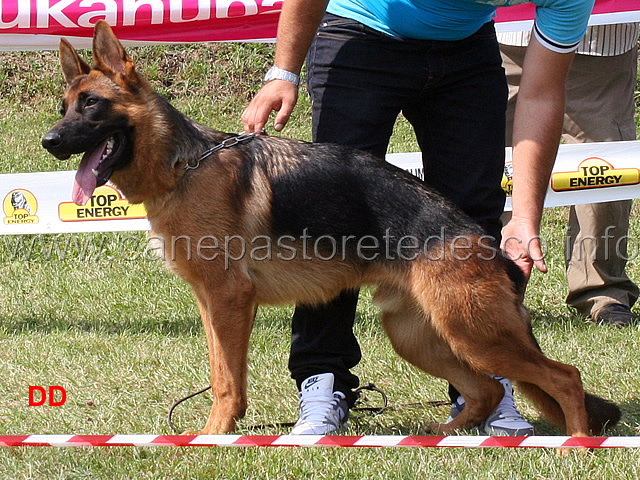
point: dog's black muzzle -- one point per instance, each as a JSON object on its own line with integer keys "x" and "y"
{"x": 52, "y": 141}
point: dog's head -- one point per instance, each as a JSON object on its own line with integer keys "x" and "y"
{"x": 98, "y": 109}
{"x": 18, "y": 200}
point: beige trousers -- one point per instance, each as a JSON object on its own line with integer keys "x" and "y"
{"x": 599, "y": 108}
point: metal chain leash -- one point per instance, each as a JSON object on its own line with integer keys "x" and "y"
{"x": 229, "y": 142}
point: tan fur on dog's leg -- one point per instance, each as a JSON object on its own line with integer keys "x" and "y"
{"x": 538, "y": 377}
{"x": 414, "y": 339}
{"x": 481, "y": 393}
{"x": 507, "y": 349}
{"x": 483, "y": 324}
{"x": 228, "y": 319}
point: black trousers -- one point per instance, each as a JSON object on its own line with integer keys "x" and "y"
{"x": 454, "y": 94}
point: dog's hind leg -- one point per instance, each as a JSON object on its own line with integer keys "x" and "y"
{"x": 227, "y": 315}
{"x": 483, "y": 324}
{"x": 415, "y": 340}
{"x": 555, "y": 388}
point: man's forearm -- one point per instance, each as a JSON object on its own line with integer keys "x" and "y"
{"x": 537, "y": 128}
{"x": 298, "y": 23}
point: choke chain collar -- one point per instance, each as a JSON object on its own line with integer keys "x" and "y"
{"x": 229, "y": 142}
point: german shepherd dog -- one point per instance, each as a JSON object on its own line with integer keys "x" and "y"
{"x": 318, "y": 219}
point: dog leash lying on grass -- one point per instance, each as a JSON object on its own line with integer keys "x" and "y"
{"x": 360, "y": 391}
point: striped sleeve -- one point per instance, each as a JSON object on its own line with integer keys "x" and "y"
{"x": 560, "y": 24}
{"x": 600, "y": 40}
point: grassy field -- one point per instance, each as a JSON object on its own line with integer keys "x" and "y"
{"x": 124, "y": 337}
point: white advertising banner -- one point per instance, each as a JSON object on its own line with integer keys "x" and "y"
{"x": 41, "y": 203}
{"x": 582, "y": 173}
{"x": 35, "y": 203}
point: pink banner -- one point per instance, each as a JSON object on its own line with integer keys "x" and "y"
{"x": 625, "y": 10}
{"x": 36, "y": 24}
{"x": 144, "y": 20}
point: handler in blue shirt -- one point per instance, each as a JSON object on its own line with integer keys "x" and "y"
{"x": 438, "y": 63}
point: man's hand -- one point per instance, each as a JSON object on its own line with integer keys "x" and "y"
{"x": 277, "y": 95}
{"x": 521, "y": 242}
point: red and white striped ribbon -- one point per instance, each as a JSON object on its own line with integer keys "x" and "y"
{"x": 375, "y": 441}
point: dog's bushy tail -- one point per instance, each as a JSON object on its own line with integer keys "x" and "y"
{"x": 601, "y": 413}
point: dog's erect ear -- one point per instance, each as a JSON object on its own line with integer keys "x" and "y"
{"x": 72, "y": 65}
{"x": 109, "y": 55}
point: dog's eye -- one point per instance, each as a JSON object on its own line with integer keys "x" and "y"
{"x": 90, "y": 102}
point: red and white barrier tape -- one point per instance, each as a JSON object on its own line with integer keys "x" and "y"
{"x": 379, "y": 441}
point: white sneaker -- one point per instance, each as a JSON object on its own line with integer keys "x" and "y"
{"x": 505, "y": 420}
{"x": 321, "y": 409}
{"x": 456, "y": 408}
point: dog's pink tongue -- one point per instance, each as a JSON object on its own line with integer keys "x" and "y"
{"x": 86, "y": 181}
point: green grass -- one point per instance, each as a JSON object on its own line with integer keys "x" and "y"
{"x": 124, "y": 338}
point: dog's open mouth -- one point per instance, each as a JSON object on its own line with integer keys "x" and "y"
{"x": 96, "y": 167}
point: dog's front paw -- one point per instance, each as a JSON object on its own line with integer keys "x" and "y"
{"x": 438, "y": 428}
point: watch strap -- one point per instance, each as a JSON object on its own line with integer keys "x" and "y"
{"x": 276, "y": 73}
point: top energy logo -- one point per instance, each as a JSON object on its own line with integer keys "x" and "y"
{"x": 105, "y": 204}
{"x": 20, "y": 207}
{"x": 594, "y": 172}
{"x": 507, "y": 179}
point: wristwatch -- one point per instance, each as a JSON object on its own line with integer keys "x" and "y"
{"x": 276, "y": 73}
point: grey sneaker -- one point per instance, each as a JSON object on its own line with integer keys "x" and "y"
{"x": 321, "y": 409}
{"x": 504, "y": 421}
{"x": 456, "y": 408}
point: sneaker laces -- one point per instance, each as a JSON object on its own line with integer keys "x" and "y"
{"x": 320, "y": 408}
{"x": 507, "y": 408}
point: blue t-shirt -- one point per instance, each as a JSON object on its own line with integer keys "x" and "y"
{"x": 559, "y": 24}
